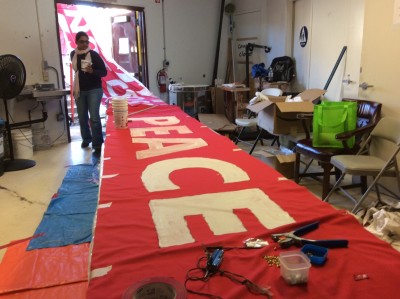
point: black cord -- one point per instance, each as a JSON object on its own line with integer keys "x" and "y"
{"x": 203, "y": 278}
{"x": 237, "y": 278}
{"x": 251, "y": 286}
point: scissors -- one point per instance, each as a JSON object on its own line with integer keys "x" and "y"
{"x": 285, "y": 240}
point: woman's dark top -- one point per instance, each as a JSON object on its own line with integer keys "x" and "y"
{"x": 89, "y": 81}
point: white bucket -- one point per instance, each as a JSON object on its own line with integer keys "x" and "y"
{"x": 22, "y": 143}
{"x": 120, "y": 119}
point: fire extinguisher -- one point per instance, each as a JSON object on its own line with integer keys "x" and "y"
{"x": 162, "y": 80}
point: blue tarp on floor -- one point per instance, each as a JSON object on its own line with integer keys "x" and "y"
{"x": 69, "y": 217}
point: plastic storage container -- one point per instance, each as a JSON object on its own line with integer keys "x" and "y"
{"x": 295, "y": 266}
{"x": 316, "y": 254}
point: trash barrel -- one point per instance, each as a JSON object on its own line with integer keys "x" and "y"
{"x": 187, "y": 97}
{"x": 2, "y": 126}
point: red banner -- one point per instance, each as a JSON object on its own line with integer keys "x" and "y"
{"x": 170, "y": 187}
{"x": 118, "y": 81}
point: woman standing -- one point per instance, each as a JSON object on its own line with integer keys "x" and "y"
{"x": 89, "y": 68}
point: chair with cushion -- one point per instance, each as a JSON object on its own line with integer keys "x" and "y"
{"x": 251, "y": 120}
{"x": 376, "y": 158}
{"x": 368, "y": 114}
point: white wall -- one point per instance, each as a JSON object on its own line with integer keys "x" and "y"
{"x": 191, "y": 36}
{"x": 268, "y": 20}
{"x": 278, "y": 27}
{"x": 247, "y": 19}
{"x": 302, "y": 55}
{"x": 380, "y": 56}
{"x": 191, "y": 39}
{"x": 29, "y": 32}
{"x": 20, "y": 35}
{"x": 335, "y": 24}
{"x": 331, "y": 25}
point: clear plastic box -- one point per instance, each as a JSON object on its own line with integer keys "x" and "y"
{"x": 295, "y": 266}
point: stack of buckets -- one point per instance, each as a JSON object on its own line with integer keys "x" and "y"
{"x": 120, "y": 112}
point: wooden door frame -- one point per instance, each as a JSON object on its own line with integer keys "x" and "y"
{"x": 107, "y": 5}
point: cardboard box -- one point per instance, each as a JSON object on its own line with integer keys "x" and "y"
{"x": 281, "y": 159}
{"x": 283, "y": 85}
{"x": 217, "y": 122}
{"x": 217, "y": 99}
{"x": 279, "y": 117}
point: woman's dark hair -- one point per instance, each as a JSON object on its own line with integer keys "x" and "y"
{"x": 79, "y": 35}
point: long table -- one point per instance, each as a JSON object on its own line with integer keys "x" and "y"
{"x": 171, "y": 187}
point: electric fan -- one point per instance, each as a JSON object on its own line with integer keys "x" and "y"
{"x": 12, "y": 81}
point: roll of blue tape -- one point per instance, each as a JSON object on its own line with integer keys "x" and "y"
{"x": 155, "y": 288}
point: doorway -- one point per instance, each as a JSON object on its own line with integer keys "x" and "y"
{"x": 117, "y": 33}
{"x": 127, "y": 42}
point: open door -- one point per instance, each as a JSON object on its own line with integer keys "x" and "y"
{"x": 129, "y": 44}
{"x": 124, "y": 53}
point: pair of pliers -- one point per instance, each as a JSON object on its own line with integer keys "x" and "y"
{"x": 285, "y": 240}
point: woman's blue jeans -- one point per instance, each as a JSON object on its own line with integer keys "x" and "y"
{"x": 88, "y": 106}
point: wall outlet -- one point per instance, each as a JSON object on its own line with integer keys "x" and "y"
{"x": 60, "y": 116}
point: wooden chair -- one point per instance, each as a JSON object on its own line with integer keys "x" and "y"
{"x": 368, "y": 114}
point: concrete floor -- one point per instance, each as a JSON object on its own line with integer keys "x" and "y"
{"x": 25, "y": 195}
{"x": 337, "y": 199}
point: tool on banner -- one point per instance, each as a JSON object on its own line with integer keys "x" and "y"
{"x": 250, "y": 243}
{"x": 136, "y": 112}
{"x": 255, "y": 243}
{"x": 285, "y": 240}
{"x": 210, "y": 265}
{"x": 214, "y": 261}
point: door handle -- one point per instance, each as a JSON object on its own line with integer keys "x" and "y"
{"x": 347, "y": 81}
{"x": 365, "y": 85}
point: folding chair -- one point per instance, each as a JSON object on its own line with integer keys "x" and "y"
{"x": 251, "y": 120}
{"x": 368, "y": 114}
{"x": 377, "y": 157}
